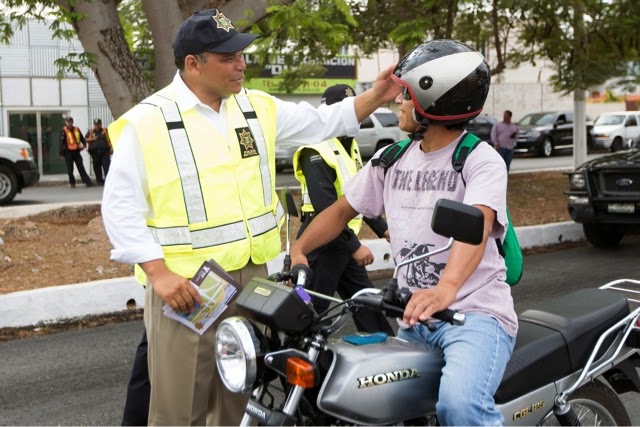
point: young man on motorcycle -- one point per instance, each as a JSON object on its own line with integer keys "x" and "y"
{"x": 445, "y": 85}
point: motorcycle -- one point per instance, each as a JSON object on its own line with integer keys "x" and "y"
{"x": 562, "y": 348}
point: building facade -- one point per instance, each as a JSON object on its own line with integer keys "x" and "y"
{"x": 34, "y": 103}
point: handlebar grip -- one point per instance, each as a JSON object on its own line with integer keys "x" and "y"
{"x": 301, "y": 274}
{"x": 448, "y": 315}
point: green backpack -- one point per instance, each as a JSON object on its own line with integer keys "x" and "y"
{"x": 509, "y": 249}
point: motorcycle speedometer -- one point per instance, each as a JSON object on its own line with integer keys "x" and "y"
{"x": 235, "y": 350}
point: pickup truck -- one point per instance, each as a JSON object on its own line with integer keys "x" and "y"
{"x": 604, "y": 196}
{"x": 545, "y": 132}
{"x": 18, "y": 169}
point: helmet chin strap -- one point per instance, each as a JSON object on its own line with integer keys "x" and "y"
{"x": 423, "y": 125}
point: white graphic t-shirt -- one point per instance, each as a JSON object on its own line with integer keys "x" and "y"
{"x": 407, "y": 196}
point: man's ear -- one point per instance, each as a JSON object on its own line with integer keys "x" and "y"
{"x": 192, "y": 64}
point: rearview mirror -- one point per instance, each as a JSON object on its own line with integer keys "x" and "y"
{"x": 287, "y": 201}
{"x": 456, "y": 220}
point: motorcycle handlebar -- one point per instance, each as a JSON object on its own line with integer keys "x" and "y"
{"x": 377, "y": 302}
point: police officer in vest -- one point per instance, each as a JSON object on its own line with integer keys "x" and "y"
{"x": 322, "y": 170}
{"x": 100, "y": 150}
{"x": 192, "y": 178}
{"x": 71, "y": 144}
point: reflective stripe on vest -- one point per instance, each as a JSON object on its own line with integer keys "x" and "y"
{"x": 252, "y": 119}
{"x": 221, "y": 235}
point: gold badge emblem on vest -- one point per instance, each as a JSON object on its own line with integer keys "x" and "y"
{"x": 247, "y": 143}
{"x": 222, "y": 21}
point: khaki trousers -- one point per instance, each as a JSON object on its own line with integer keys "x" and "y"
{"x": 185, "y": 386}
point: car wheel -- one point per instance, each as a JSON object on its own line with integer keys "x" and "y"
{"x": 8, "y": 185}
{"x": 546, "y": 150}
{"x": 601, "y": 237}
{"x": 616, "y": 145}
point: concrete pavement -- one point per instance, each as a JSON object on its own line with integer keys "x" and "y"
{"x": 69, "y": 302}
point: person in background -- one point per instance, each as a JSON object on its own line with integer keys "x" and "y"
{"x": 71, "y": 144}
{"x": 192, "y": 178}
{"x": 100, "y": 150}
{"x": 445, "y": 85}
{"x": 503, "y": 138}
{"x": 323, "y": 169}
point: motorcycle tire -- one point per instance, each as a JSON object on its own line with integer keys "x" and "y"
{"x": 595, "y": 404}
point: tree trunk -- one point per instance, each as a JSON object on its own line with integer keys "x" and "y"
{"x": 115, "y": 68}
{"x": 165, "y": 18}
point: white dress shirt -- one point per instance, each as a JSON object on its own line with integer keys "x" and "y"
{"x": 125, "y": 199}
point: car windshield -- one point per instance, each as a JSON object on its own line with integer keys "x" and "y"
{"x": 387, "y": 120}
{"x": 537, "y": 119}
{"x": 610, "y": 119}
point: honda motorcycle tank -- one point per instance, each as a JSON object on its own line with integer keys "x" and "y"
{"x": 381, "y": 383}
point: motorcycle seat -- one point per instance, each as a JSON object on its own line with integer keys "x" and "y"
{"x": 557, "y": 337}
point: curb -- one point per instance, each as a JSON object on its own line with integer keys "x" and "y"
{"x": 69, "y": 302}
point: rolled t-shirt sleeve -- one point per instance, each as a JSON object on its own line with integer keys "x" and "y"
{"x": 364, "y": 191}
{"x": 485, "y": 174}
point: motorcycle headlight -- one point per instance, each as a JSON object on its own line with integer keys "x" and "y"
{"x": 236, "y": 348}
{"x": 577, "y": 181}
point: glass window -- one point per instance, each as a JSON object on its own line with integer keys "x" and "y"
{"x": 42, "y": 131}
{"x": 609, "y": 119}
{"x": 366, "y": 123}
{"x": 631, "y": 121}
{"x": 387, "y": 120}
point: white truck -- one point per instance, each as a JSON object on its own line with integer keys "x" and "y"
{"x": 615, "y": 131}
{"x": 18, "y": 168}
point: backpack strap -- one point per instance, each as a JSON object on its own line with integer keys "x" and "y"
{"x": 391, "y": 154}
{"x": 465, "y": 146}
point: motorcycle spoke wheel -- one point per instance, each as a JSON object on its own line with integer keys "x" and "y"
{"x": 595, "y": 404}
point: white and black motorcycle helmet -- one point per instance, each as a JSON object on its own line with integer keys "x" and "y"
{"x": 447, "y": 80}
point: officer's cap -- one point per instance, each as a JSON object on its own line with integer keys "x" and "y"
{"x": 209, "y": 31}
{"x": 336, "y": 93}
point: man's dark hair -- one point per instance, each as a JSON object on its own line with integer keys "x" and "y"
{"x": 509, "y": 112}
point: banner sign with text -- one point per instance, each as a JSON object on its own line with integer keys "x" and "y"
{"x": 340, "y": 70}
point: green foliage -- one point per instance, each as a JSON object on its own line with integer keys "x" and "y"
{"x": 304, "y": 34}
{"x": 138, "y": 35}
{"x": 586, "y": 41}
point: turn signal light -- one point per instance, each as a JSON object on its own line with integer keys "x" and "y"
{"x": 300, "y": 372}
{"x": 24, "y": 154}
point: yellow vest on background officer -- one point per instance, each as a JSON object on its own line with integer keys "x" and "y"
{"x": 345, "y": 164}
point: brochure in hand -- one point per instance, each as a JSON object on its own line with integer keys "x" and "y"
{"x": 217, "y": 289}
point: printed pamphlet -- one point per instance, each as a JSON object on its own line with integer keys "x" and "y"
{"x": 217, "y": 289}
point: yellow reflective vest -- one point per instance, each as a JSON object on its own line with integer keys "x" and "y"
{"x": 210, "y": 195}
{"x": 345, "y": 164}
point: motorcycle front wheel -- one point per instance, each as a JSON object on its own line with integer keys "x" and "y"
{"x": 595, "y": 404}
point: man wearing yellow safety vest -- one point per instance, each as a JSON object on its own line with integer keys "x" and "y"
{"x": 322, "y": 170}
{"x": 193, "y": 178}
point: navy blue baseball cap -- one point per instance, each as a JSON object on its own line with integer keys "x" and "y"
{"x": 336, "y": 93}
{"x": 209, "y": 31}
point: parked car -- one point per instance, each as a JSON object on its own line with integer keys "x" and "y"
{"x": 604, "y": 196}
{"x": 18, "y": 169}
{"x": 376, "y": 131}
{"x": 545, "y": 132}
{"x": 481, "y": 127}
{"x": 616, "y": 131}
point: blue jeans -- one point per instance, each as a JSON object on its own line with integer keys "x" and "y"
{"x": 475, "y": 355}
{"x": 507, "y": 155}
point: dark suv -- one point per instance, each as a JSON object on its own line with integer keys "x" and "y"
{"x": 481, "y": 127}
{"x": 543, "y": 133}
{"x": 604, "y": 196}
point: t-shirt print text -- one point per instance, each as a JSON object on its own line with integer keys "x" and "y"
{"x": 428, "y": 180}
